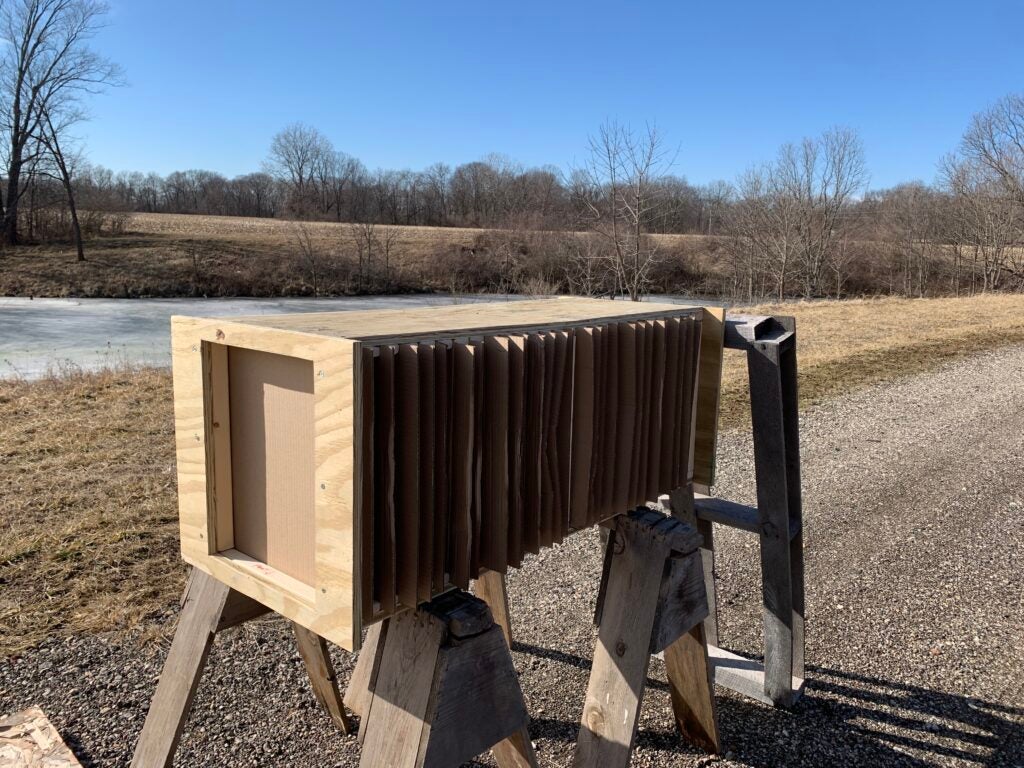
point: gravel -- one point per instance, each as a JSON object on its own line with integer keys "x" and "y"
{"x": 913, "y": 504}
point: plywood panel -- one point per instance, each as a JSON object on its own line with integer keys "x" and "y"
{"x": 272, "y": 465}
{"x": 408, "y": 324}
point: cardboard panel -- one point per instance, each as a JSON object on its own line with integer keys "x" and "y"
{"x": 462, "y": 466}
{"x": 407, "y": 486}
{"x": 384, "y": 481}
{"x": 516, "y": 434}
{"x": 533, "y": 440}
{"x": 367, "y": 504}
{"x": 426, "y": 468}
{"x": 494, "y": 507}
{"x": 442, "y": 462}
{"x": 582, "y": 428}
{"x": 272, "y": 467}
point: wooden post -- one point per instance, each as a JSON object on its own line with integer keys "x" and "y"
{"x": 209, "y": 606}
{"x": 782, "y": 624}
{"x": 770, "y": 346}
{"x": 652, "y": 599}
{"x": 446, "y": 689}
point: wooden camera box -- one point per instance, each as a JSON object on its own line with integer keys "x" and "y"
{"x": 340, "y": 467}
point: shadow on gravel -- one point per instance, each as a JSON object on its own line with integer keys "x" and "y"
{"x": 842, "y": 719}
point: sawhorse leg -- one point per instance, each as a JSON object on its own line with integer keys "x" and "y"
{"x": 515, "y": 751}
{"x": 653, "y": 598}
{"x": 209, "y": 607}
{"x": 444, "y": 690}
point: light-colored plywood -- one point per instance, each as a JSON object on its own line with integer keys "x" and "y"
{"x": 29, "y": 740}
{"x": 462, "y": 319}
{"x": 331, "y": 608}
{"x": 476, "y": 435}
{"x": 272, "y": 460}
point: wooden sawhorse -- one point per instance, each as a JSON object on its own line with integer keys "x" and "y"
{"x": 443, "y": 689}
{"x": 208, "y": 607}
{"x": 652, "y": 600}
{"x": 770, "y": 346}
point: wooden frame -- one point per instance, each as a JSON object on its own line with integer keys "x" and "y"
{"x": 329, "y": 595}
{"x": 770, "y": 347}
{"x": 327, "y": 607}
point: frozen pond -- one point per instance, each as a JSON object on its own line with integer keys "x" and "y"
{"x": 37, "y": 335}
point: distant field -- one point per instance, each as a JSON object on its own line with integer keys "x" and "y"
{"x": 98, "y": 550}
{"x": 277, "y": 232}
{"x": 168, "y": 255}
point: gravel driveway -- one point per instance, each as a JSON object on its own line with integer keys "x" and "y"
{"x": 914, "y": 503}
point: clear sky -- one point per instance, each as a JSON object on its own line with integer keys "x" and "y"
{"x": 403, "y": 85}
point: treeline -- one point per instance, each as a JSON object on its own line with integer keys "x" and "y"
{"x": 804, "y": 224}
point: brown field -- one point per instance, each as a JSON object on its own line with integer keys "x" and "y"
{"x": 166, "y": 255}
{"x": 88, "y": 522}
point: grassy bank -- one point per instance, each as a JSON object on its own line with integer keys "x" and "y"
{"x": 88, "y": 518}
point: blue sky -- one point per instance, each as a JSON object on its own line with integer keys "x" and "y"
{"x": 404, "y": 85}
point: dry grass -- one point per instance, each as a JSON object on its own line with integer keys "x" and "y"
{"x": 88, "y": 517}
{"x": 851, "y": 344}
{"x": 88, "y": 528}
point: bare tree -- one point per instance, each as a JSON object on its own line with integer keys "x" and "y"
{"x": 791, "y": 213}
{"x": 47, "y": 65}
{"x": 309, "y": 252}
{"x": 52, "y": 135}
{"x": 298, "y": 154}
{"x": 995, "y": 140}
{"x": 619, "y": 199}
{"x": 989, "y": 222}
